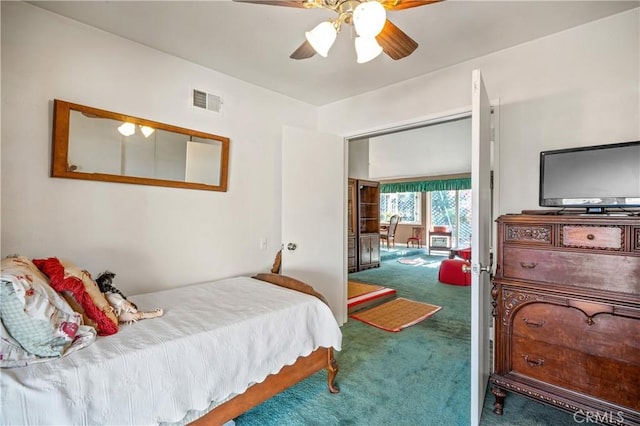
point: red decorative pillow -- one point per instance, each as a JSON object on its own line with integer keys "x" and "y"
{"x": 64, "y": 278}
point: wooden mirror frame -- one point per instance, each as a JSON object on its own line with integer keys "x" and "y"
{"x": 59, "y": 158}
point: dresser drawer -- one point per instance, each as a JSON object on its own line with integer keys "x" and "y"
{"x": 597, "y": 376}
{"x": 593, "y": 237}
{"x": 583, "y": 270}
{"x": 528, "y": 234}
{"x": 600, "y": 333}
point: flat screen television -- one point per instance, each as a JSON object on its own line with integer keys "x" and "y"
{"x": 594, "y": 178}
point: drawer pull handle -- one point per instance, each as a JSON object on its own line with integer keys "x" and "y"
{"x": 528, "y": 265}
{"x": 591, "y": 237}
{"x": 532, "y": 323}
{"x": 533, "y": 363}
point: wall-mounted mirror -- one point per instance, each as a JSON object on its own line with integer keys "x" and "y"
{"x": 94, "y": 144}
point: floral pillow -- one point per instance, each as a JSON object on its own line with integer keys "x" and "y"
{"x": 32, "y": 313}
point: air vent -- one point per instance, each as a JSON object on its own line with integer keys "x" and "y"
{"x": 207, "y": 101}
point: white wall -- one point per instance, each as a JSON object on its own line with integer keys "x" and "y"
{"x": 151, "y": 237}
{"x": 359, "y": 159}
{"x": 440, "y": 149}
{"x": 576, "y": 88}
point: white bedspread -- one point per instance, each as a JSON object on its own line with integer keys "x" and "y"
{"x": 214, "y": 340}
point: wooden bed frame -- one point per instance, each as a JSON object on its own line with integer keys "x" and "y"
{"x": 288, "y": 376}
{"x": 273, "y": 384}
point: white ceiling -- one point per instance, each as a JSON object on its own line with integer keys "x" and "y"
{"x": 252, "y": 42}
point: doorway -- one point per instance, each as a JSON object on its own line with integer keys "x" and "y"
{"x": 445, "y": 336}
{"x": 481, "y": 235}
{"x": 481, "y": 220}
{"x": 423, "y": 173}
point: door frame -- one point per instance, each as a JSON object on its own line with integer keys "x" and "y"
{"x": 429, "y": 120}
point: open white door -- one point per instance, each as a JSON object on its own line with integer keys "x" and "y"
{"x": 480, "y": 243}
{"x": 313, "y": 213}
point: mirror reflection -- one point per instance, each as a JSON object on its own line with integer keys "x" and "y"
{"x": 101, "y": 145}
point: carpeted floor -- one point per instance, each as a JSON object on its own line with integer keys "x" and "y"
{"x": 401, "y": 251}
{"x": 422, "y": 260}
{"x": 420, "y": 376}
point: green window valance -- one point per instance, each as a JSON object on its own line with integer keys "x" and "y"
{"x": 426, "y": 185}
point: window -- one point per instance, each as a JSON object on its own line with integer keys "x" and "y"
{"x": 453, "y": 209}
{"x": 404, "y": 204}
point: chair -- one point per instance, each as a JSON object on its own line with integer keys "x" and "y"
{"x": 416, "y": 236}
{"x": 390, "y": 234}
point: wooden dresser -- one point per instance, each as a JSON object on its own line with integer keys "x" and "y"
{"x": 566, "y": 302}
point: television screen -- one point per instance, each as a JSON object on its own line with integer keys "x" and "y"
{"x": 591, "y": 177}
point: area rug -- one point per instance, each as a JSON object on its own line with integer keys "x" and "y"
{"x": 418, "y": 261}
{"x": 356, "y": 288}
{"x": 397, "y": 314}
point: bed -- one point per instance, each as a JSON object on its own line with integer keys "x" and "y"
{"x": 221, "y": 348}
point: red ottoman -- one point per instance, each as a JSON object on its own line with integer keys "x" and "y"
{"x": 451, "y": 272}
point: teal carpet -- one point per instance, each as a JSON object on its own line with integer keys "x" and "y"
{"x": 419, "y": 376}
{"x": 401, "y": 251}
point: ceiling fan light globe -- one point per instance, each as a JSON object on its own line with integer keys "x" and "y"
{"x": 369, "y": 18}
{"x": 321, "y": 38}
{"x": 367, "y": 48}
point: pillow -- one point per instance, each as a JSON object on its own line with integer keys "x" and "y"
{"x": 32, "y": 313}
{"x": 67, "y": 278}
{"x": 292, "y": 283}
{"x": 97, "y": 297}
{"x": 68, "y": 297}
{"x": 11, "y": 353}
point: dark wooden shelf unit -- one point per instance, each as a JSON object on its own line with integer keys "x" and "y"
{"x": 368, "y": 220}
{"x": 566, "y": 297}
{"x": 351, "y": 225}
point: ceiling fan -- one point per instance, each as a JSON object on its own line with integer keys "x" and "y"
{"x": 375, "y": 33}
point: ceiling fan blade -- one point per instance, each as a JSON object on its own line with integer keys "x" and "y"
{"x": 395, "y": 42}
{"x": 406, "y": 4}
{"x": 304, "y": 51}
{"x": 288, "y": 3}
